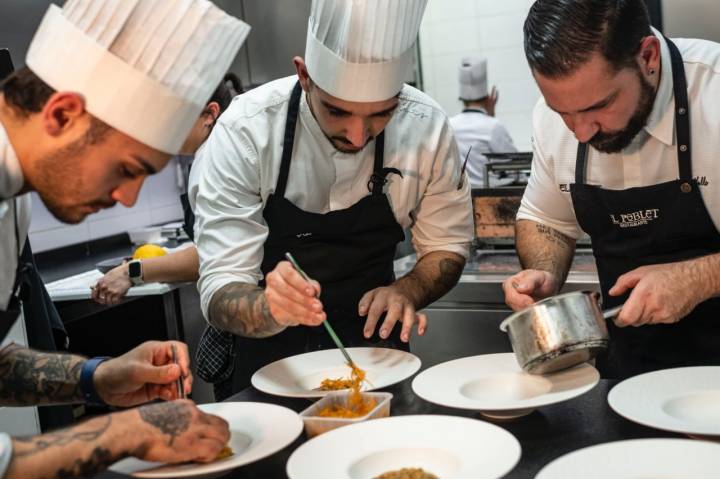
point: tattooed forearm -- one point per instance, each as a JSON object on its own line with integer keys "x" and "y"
{"x": 544, "y": 248}
{"x": 80, "y": 451}
{"x": 89, "y": 432}
{"x": 242, "y": 309}
{"x": 99, "y": 460}
{"x": 32, "y": 377}
{"x": 434, "y": 275}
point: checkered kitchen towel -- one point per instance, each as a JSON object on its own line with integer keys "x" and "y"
{"x": 216, "y": 355}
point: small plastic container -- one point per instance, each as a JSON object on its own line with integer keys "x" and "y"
{"x": 315, "y": 424}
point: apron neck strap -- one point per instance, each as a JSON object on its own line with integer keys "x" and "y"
{"x": 682, "y": 122}
{"x": 288, "y": 139}
{"x": 682, "y": 112}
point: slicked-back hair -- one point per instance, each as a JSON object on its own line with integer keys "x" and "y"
{"x": 561, "y": 35}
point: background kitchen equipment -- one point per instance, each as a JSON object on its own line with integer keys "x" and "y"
{"x": 559, "y": 332}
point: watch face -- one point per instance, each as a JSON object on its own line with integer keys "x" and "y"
{"x": 134, "y": 269}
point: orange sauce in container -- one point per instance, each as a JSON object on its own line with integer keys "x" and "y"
{"x": 356, "y": 406}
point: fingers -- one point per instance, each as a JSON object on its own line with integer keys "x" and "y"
{"x": 291, "y": 299}
{"x": 374, "y": 310}
{"x": 528, "y": 282}
{"x": 366, "y": 301}
{"x": 627, "y": 281}
{"x": 294, "y": 279}
{"x": 632, "y": 312}
{"x": 397, "y": 307}
{"x": 395, "y": 311}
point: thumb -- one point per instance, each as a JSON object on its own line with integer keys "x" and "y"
{"x": 528, "y": 284}
{"x": 625, "y": 282}
{"x": 148, "y": 373}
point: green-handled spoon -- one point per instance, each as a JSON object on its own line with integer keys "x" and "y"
{"x": 327, "y": 325}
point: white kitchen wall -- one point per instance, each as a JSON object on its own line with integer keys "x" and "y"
{"x": 692, "y": 19}
{"x": 452, "y": 29}
{"x": 158, "y": 203}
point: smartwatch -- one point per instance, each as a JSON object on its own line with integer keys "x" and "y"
{"x": 135, "y": 272}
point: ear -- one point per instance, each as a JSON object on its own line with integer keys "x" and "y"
{"x": 649, "y": 56}
{"x": 62, "y": 112}
{"x": 213, "y": 110}
{"x": 302, "y": 73}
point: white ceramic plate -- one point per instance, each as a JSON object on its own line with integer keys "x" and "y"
{"x": 638, "y": 459}
{"x": 496, "y": 386}
{"x": 685, "y": 400}
{"x": 297, "y": 376}
{"x": 447, "y": 446}
{"x": 257, "y": 431}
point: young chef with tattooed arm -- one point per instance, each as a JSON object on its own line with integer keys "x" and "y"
{"x": 626, "y": 145}
{"x": 331, "y": 164}
{"x": 106, "y": 99}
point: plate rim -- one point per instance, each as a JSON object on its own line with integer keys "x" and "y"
{"x": 618, "y": 444}
{"x": 417, "y": 364}
{"x": 226, "y": 466}
{"x": 529, "y": 404}
{"x": 516, "y": 451}
{"x": 614, "y": 392}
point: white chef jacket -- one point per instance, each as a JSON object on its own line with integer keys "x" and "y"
{"x": 486, "y": 134}
{"x": 11, "y": 181}
{"x": 237, "y": 169}
{"x": 651, "y": 158}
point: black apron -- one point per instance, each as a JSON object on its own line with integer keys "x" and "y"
{"x": 349, "y": 252}
{"x": 642, "y": 226}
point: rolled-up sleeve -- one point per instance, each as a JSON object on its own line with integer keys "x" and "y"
{"x": 443, "y": 219}
{"x": 226, "y": 198}
{"x": 543, "y": 201}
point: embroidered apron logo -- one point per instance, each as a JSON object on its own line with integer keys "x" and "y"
{"x": 635, "y": 219}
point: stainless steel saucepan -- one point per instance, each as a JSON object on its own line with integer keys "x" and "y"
{"x": 559, "y": 332}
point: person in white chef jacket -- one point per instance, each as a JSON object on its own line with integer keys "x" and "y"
{"x": 108, "y": 95}
{"x": 626, "y": 150}
{"x": 331, "y": 165}
{"x": 476, "y": 129}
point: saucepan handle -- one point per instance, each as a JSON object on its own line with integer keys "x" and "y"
{"x": 612, "y": 312}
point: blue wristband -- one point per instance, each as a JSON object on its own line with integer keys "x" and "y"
{"x": 87, "y": 385}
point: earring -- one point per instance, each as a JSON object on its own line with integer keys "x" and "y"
{"x": 652, "y": 71}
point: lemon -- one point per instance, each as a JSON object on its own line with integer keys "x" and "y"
{"x": 149, "y": 251}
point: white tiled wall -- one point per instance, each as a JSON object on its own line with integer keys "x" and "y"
{"x": 489, "y": 28}
{"x": 158, "y": 203}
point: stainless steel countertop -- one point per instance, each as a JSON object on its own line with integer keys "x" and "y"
{"x": 482, "y": 277}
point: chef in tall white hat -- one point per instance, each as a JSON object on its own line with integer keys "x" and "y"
{"x": 110, "y": 92}
{"x": 476, "y": 129}
{"x": 331, "y": 165}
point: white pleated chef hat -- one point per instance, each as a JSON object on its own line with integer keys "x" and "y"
{"x": 473, "y": 78}
{"x": 145, "y": 67}
{"x": 361, "y": 50}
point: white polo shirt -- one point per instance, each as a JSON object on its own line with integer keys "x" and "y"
{"x": 651, "y": 158}
{"x": 237, "y": 168}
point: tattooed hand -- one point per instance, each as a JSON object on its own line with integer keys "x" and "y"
{"x": 143, "y": 374}
{"x": 178, "y": 431}
{"x": 291, "y": 299}
{"x": 434, "y": 275}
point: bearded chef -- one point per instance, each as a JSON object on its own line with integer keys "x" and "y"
{"x": 331, "y": 165}
{"x": 626, "y": 146}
